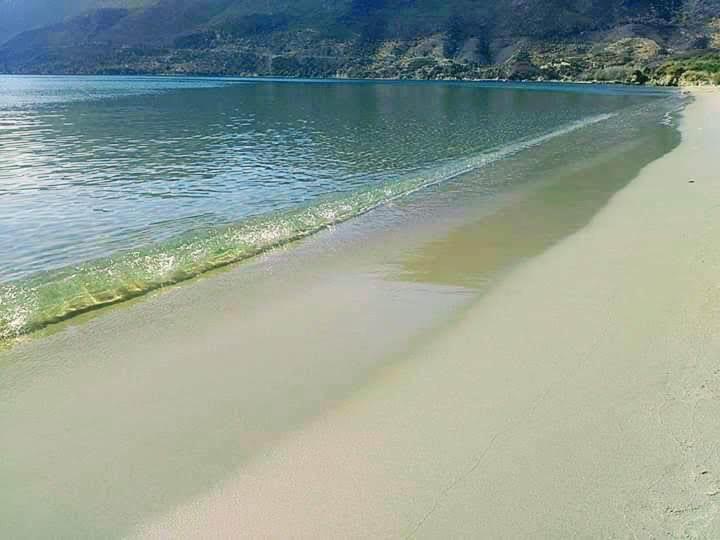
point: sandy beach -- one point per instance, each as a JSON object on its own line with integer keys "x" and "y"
{"x": 579, "y": 398}
{"x": 539, "y": 364}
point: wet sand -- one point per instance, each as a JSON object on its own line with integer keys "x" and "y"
{"x": 579, "y": 398}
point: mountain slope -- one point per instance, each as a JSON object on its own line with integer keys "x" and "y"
{"x": 17, "y": 16}
{"x": 380, "y": 38}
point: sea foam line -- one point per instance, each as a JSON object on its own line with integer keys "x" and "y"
{"x": 30, "y": 304}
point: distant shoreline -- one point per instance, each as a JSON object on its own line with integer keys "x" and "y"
{"x": 349, "y": 79}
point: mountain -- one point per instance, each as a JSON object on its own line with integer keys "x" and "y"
{"x": 627, "y": 40}
{"x": 17, "y": 16}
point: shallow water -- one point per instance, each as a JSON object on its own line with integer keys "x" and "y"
{"x": 111, "y": 186}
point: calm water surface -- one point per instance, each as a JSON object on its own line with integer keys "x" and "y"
{"x": 112, "y": 186}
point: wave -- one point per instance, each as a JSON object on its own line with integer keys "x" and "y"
{"x": 33, "y": 303}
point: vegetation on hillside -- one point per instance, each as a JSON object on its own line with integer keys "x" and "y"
{"x": 633, "y": 41}
{"x": 694, "y": 70}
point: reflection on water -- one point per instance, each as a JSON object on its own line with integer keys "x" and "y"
{"x": 93, "y": 166}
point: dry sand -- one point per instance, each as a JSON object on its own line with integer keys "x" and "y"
{"x": 579, "y": 398}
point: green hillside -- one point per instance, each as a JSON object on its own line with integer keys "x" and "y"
{"x": 552, "y": 39}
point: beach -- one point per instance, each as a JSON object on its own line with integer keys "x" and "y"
{"x": 579, "y": 399}
{"x": 567, "y": 386}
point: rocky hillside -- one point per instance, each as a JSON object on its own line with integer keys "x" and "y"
{"x": 624, "y": 40}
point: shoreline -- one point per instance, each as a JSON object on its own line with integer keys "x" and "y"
{"x": 95, "y": 284}
{"x": 118, "y": 422}
{"x": 579, "y": 398}
{"x": 366, "y": 79}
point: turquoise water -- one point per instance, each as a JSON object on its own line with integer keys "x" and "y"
{"x": 111, "y": 187}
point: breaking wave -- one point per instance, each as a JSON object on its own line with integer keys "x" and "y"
{"x": 32, "y": 303}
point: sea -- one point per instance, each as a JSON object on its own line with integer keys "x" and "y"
{"x": 112, "y": 187}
